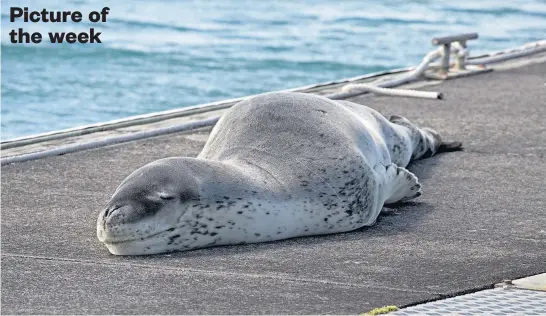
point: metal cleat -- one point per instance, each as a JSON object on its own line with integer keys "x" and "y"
{"x": 456, "y": 45}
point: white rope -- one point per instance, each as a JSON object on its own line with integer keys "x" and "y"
{"x": 525, "y": 50}
{"x": 210, "y": 122}
{"x": 415, "y": 74}
{"x": 109, "y": 141}
{"x": 363, "y": 87}
{"x": 350, "y": 91}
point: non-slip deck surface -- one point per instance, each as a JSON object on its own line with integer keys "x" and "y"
{"x": 481, "y": 219}
{"x": 498, "y": 301}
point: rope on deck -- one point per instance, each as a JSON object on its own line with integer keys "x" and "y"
{"x": 349, "y": 91}
{"x": 110, "y": 141}
{"x": 359, "y": 89}
{"x": 199, "y": 124}
{"x": 352, "y": 90}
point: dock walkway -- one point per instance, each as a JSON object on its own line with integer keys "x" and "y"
{"x": 481, "y": 219}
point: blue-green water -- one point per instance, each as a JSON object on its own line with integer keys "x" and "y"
{"x": 159, "y": 55}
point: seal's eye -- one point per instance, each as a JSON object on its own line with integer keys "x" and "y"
{"x": 166, "y": 197}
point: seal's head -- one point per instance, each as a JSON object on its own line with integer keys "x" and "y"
{"x": 143, "y": 214}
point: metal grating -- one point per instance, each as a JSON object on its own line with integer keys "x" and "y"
{"x": 498, "y": 301}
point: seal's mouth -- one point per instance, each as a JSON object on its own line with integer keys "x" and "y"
{"x": 145, "y": 245}
{"x": 120, "y": 240}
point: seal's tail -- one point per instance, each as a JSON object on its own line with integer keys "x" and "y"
{"x": 404, "y": 185}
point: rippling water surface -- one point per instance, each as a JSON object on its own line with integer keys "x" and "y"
{"x": 159, "y": 55}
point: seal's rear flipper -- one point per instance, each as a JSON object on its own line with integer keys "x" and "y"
{"x": 404, "y": 185}
{"x": 449, "y": 146}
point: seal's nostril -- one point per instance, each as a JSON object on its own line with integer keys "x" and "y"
{"x": 111, "y": 210}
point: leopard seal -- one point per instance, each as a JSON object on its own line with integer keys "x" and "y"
{"x": 276, "y": 166}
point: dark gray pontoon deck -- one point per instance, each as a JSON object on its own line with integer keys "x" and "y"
{"x": 481, "y": 219}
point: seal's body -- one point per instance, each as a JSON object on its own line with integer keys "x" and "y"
{"x": 276, "y": 166}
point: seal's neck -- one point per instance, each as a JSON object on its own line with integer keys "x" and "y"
{"x": 233, "y": 207}
{"x": 221, "y": 179}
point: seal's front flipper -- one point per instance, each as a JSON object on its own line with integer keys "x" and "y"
{"x": 389, "y": 211}
{"x": 401, "y": 184}
{"x": 449, "y": 146}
